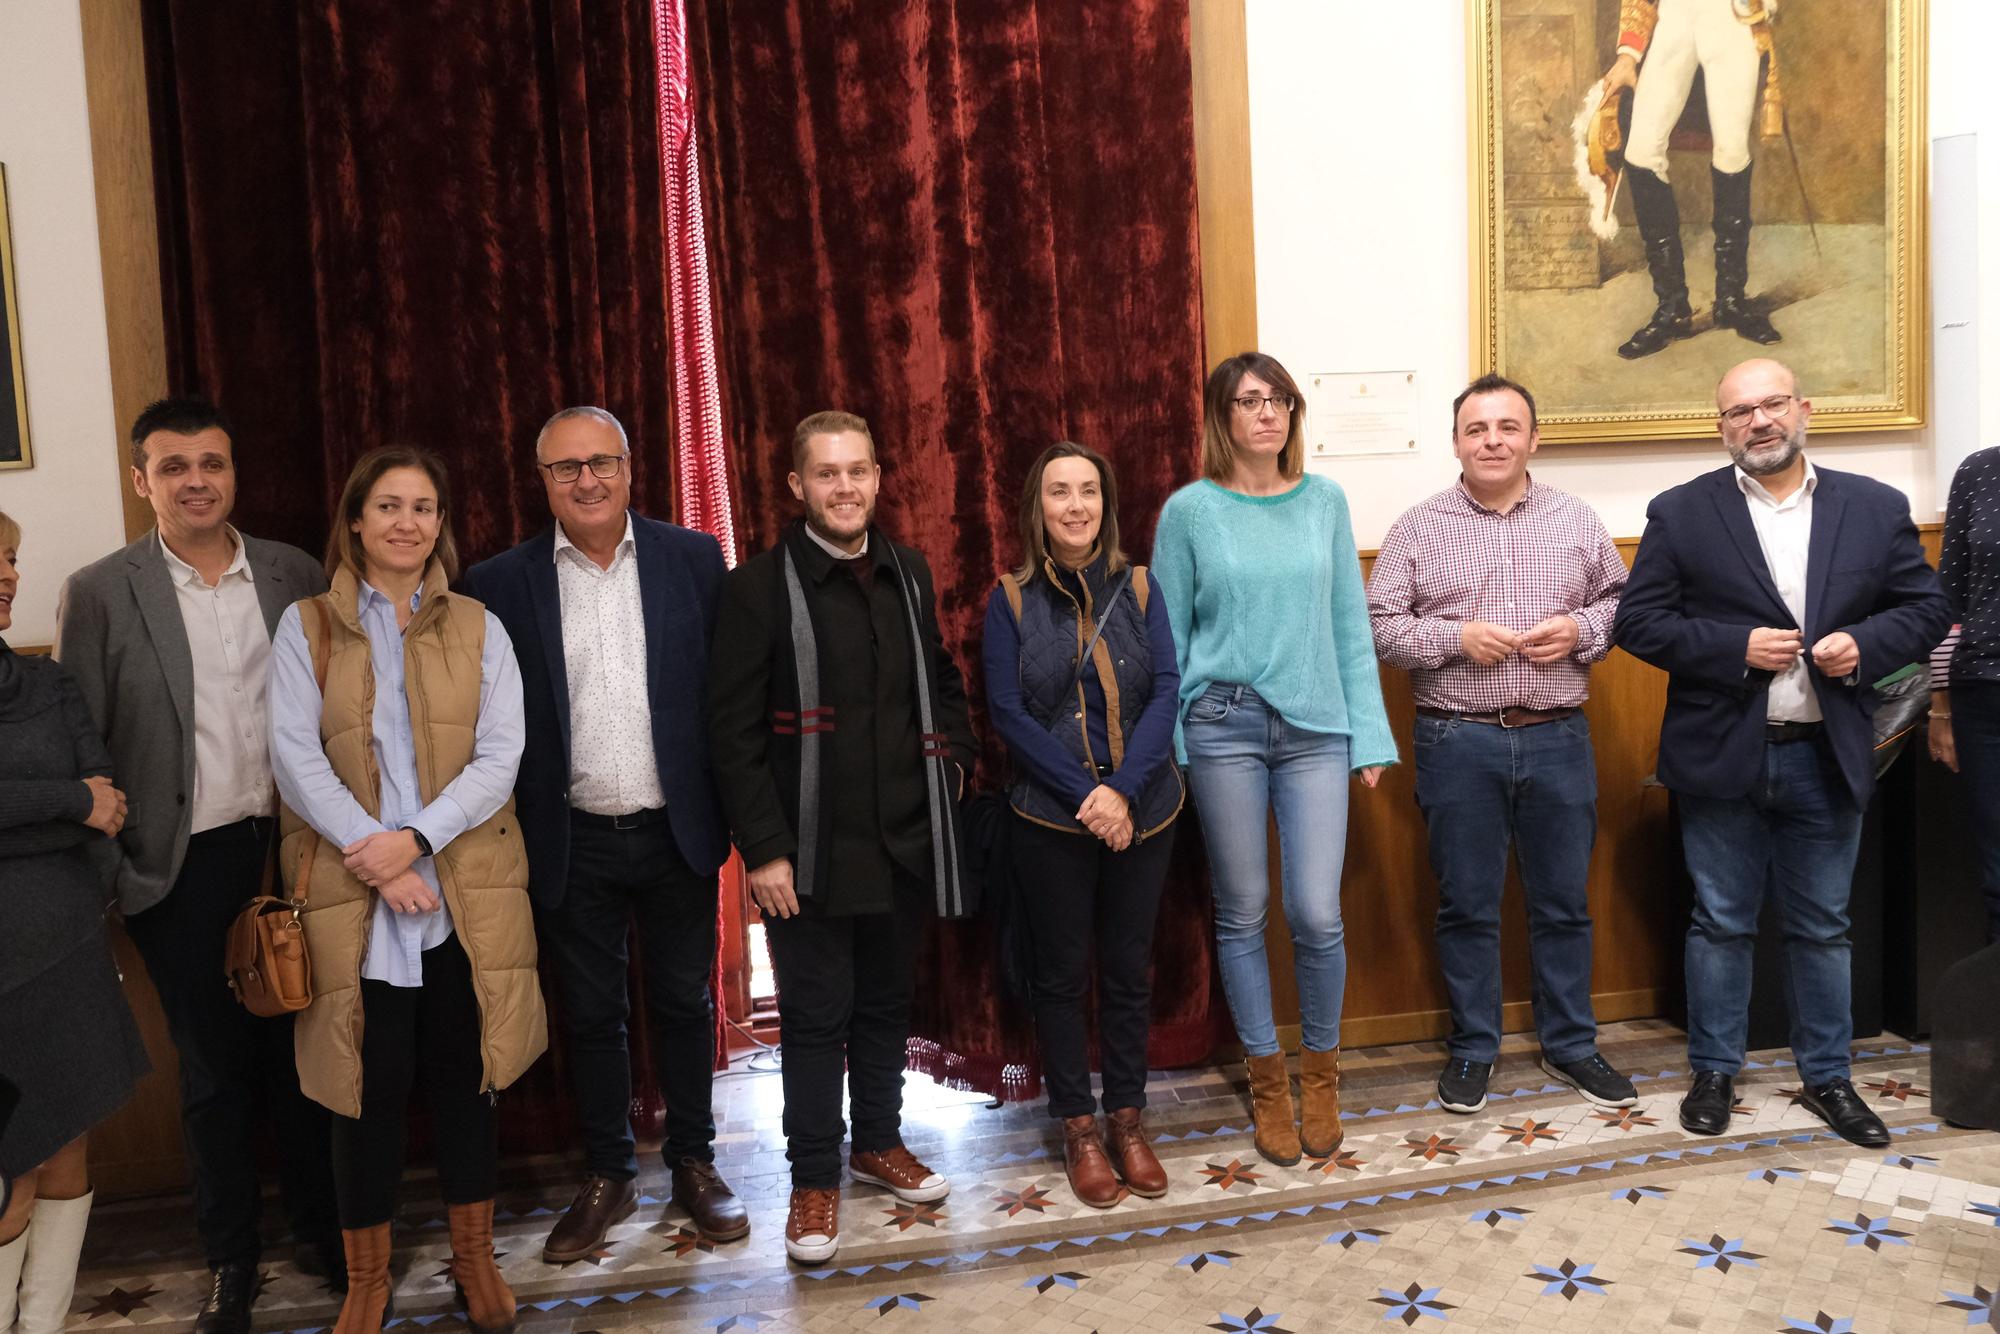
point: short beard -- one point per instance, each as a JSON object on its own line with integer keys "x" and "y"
{"x": 1791, "y": 443}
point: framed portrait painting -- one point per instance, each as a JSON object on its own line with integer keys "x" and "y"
{"x": 15, "y": 449}
{"x": 1664, "y": 188}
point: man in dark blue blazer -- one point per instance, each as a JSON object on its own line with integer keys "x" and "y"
{"x": 1774, "y": 593}
{"x": 611, "y": 615}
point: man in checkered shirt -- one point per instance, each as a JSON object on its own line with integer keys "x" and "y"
{"x": 1496, "y": 595}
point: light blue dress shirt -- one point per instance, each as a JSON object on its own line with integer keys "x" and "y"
{"x": 306, "y": 781}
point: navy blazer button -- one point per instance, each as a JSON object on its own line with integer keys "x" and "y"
{"x": 181, "y": 798}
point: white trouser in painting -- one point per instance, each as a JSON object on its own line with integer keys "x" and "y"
{"x": 1691, "y": 35}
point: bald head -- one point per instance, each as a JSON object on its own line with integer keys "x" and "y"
{"x": 1755, "y": 379}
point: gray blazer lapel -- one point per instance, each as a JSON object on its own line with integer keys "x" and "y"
{"x": 153, "y": 591}
{"x": 274, "y": 591}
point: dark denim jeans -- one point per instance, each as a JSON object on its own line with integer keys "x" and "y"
{"x": 1481, "y": 788}
{"x": 1798, "y": 831}
{"x": 1975, "y": 729}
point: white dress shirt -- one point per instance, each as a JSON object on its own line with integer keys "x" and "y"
{"x": 1784, "y": 530}
{"x": 612, "y": 768}
{"x": 396, "y": 941}
{"x": 232, "y": 656}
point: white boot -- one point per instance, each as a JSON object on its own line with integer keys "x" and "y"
{"x": 48, "y": 1274}
{"x": 11, "y": 1256}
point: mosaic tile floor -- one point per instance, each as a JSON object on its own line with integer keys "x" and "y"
{"x": 1540, "y": 1213}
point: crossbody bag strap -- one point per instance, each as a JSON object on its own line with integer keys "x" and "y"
{"x": 1103, "y": 618}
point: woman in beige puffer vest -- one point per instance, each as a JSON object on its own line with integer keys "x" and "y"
{"x": 396, "y": 733}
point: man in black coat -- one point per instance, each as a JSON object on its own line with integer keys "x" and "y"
{"x": 610, "y": 614}
{"x": 841, "y": 745}
{"x": 1774, "y": 594}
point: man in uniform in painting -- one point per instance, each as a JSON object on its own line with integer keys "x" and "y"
{"x": 1661, "y": 44}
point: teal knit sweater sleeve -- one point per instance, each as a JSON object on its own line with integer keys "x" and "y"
{"x": 1265, "y": 591}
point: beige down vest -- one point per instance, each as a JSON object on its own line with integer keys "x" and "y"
{"x": 483, "y": 872}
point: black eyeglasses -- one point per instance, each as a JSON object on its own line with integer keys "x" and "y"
{"x": 1777, "y": 407}
{"x": 1252, "y": 404}
{"x": 603, "y": 466}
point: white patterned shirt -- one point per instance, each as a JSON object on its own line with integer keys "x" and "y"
{"x": 231, "y": 651}
{"x": 1784, "y": 531}
{"x": 612, "y": 768}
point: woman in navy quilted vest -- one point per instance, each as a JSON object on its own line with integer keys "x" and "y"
{"x": 1082, "y": 682}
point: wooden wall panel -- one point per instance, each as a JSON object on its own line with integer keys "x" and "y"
{"x": 1216, "y": 44}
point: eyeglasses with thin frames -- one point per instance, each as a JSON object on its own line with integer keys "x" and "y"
{"x": 1250, "y": 405}
{"x": 1777, "y": 407}
{"x": 602, "y": 466}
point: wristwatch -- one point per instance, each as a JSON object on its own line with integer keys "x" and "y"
{"x": 423, "y": 844}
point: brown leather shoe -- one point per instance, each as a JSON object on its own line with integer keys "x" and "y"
{"x": 1089, "y": 1170}
{"x": 1125, "y": 1131}
{"x": 1319, "y": 1101}
{"x": 601, "y": 1203}
{"x": 488, "y": 1301}
{"x": 717, "y": 1213}
{"x": 1271, "y": 1105}
{"x": 899, "y": 1170}
{"x": 370, "y": 1296}
{"x": 812, "y": 1227}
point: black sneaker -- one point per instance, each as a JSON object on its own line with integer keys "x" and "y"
{"x": 1837, "y": 1104}
{"x": 1462, "y": 1086}
{"x": 1594, "y": 1078}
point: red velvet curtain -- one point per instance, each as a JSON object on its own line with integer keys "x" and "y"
{"x": 431, "y": 223}
{"x": 973, "y": 223}
{"x": 434, "y": 223}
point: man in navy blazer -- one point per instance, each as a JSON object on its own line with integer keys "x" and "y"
{"x": 1774, "y": 593}
{"x": 611, "y": 615}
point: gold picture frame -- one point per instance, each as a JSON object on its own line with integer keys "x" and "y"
{"x": 1836, "y": 184}
{"x": 16, "y": 447}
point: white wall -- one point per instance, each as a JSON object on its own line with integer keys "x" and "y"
{"x": 68, "y": 503}
{"x": 1358, "y": 135}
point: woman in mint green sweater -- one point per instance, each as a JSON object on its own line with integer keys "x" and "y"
{"x": 1280, "y": 701}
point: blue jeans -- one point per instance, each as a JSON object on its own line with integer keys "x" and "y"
{"x": 1482, "y": 787}
{"x": 1245, "y": 761}
{"x": 1798, "y": 831}
{"x": 1975, "y": 729}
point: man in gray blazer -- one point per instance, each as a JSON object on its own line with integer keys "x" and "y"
{"x": 170, "y": 640}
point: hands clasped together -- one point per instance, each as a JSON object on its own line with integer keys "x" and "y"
{"x": 383, "y": 862}
{"x": 1550, "y": 641}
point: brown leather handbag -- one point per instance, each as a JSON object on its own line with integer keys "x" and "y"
{"x": 265, "y": 955}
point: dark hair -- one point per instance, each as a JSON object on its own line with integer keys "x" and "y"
{"x": 1218, "y": 402}
{"x": 827, "y": 423}
{"x": 1034, "y": 536}
{"x": 343, "y": 544}
{"x": 177, "y": 414}
{"x": 1491, "y": 384}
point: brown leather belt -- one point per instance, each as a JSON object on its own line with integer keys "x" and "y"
{"x": 1512, "y": 716}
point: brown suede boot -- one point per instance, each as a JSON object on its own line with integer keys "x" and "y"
{"x": 1132, "y": 1155}
{"x": 370, "y": 1299}
{"x": 488, "y": 1302}
{"x": 1271, "y": 1105}
{"x": 1319, "y": 1101}
{"x": 1083, "y": 1158}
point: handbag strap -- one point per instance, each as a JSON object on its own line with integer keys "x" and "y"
{"x": 1104, "y": 616}
{"x": 322, "y": 649}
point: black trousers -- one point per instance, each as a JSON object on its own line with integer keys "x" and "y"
{"x": 1077, "y": 890}
{"x": 844, "y": 1003}
{"x": 410, "y": 1034}
{"x": 617, "y": 876}
{"x": 236, "y": 1069}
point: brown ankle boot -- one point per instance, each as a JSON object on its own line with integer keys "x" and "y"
{"x": 1132, "y": 1155}
{"x": 488, "y": 1302}
{"x": 1089, "y": 1170}
{"x": 1271, "y": 1105}
{"x": 1319, "y": 1101}
{"x": 370, "y": 1299}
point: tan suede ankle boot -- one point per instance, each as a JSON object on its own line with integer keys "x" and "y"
{"x": 1319, "y": 1101}
{"x": 489, "y": 1302}
{"x": 1271, "y": 1105}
